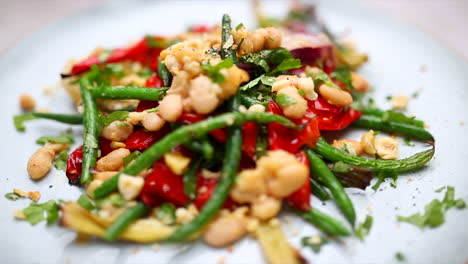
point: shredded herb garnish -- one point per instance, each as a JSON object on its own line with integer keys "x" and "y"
{"x": 363, "y": 228}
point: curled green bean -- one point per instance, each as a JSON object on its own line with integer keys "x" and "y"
{"x": 318, "y": 190}
{"x": 130, "y": 215}
{"x": 62, "y": 118}
{"x": 129, "y": 92}
{"x": 324, "y": 222}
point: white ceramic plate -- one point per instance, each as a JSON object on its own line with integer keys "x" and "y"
{"x": 397, "y": 54}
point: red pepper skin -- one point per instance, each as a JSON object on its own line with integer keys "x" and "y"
{"x": 142, "y": 139}
{"x": 155, "y": 82}
{"x": 105, "y": 146}
{"x": 200, "y": 29}
{"x": 300, "y": 199}
{"x": 205, "y": 188}
{"x": 249, "y": 139}
{"x": 163, "y": 185}
{"x": 191, "y": 118}
{"x": 74, "y": 162}
{"x": 290, "y": 140}
{"x": 332, "y": 117}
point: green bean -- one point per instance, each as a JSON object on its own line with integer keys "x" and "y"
{"x": 190, "y": 178}
{"x": 247, "y": 100}
{"x": 374, "y": 122}
{"x": 185, "y": 134}
{"x": 129, "y": 92}
{"x": 324, "y": 222}
{"x": 320, "y": 169}
{"x": 164, "y": 73}
{"x": 91, "y": 130}
{"x": 225, "y": 35}
{"x": 319, "y": 191}
{"x": 262, "y": 141}
{"x": 202, "y": 146}
{"x": 130, "y": 215}
{"x": 62, "y": 118}
{"x": 333, "y": 154}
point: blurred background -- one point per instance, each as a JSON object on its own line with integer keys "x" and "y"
{"x": 445, "y": 20}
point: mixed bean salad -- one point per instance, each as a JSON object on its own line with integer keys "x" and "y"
{"x": 210, "y": 133}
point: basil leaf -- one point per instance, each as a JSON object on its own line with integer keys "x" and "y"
{"x": 214, "y": 71}
{"x": 60, "y": 162}
{"x": 343, "y": 75}
{"x": 382, "y": 175}
{"x": 12, "y": 196}
{"x": 363, "y": 228}
{"x": 114, "y": 116}
{"x": 52, "y": 210}
{"x": 34, "y": 213}
{"x": 315, "y": 242}
{"x": 284, "y": 100}
{"x": 18, "y": 121}
{"x": 287, "y": 65}
{"x": 64, "y": 139}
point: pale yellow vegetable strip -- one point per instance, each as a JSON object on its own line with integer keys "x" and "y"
{"x": 275, "y": 246}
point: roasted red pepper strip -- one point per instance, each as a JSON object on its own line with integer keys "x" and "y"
{"x": 163, "y": 185}
{"x": 332, "y": 117}
{"x": 155, "y": 82}
{"x": 290, "y": 140}
{"x": 191, "y": 118}
{"x": 74, "y": 162}
{"x": 105, "y": 146}
{"x": 300, "y": 199}
{"x": 142, "y": 139}
{"x": 249, "y": 139}
{"x": 205, "y": 188}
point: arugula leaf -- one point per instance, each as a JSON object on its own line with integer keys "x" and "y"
{"x": 12, "y": 196}
{"x": 18, "y": 121}
{"x": 165, "y": 213}
{"x": 131, "y": 157}
{"x": 36, "y": 212}
{"x": 64, "y": 139}
{"x": 363, "y": 228}
{"x": 114, "y": 116}
{"x": 105, "y": 55}
{"x": 341, "y": 167}
{"x": 315, "y": 242}
{"x": 60, "y": 162}
{"x": 284, "y": 100}
{"x": 382, "y": 175}
{"x": 85, "y": 202}
{"x": 343, "y": 75}
{"x": 214, "y": 71}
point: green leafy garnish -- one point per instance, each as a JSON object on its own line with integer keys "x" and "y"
{"x": 117, "y": 199}
{"x": 301, "y": 92}
{"x": 114, "y": 116}
{"x": 18, "y": 121}
{"x": 287, "y": 65}
{"x": 440, "y": 189}
{"x": 214, "y": 71}
{"x": 401, "y": 118}
{"x": 131, "y": 157}
{"x": 85, "y": 202}
{"x": 165, "y": 213}
{"x": 145, "y": 72}
{"x": 266, "y": 60}
{"x": 60, "y": 162}
{"x": 363, "y": 228}
{"x": 266, "y": 80}
{"x": 156, "y": 43}
{"x": 343, "y": 75}
{"x": 315, "y": 242}
{"x": 434, "y": 211}
{"x": 64, "y": 139}
{"x": 102, "y": 75}
{"x": 409, "y": 142}
{"x": 12, "y": 196}
{"x": 284, "y": 100}
{"x": 36, "y": 212}
{"x": 400, "y": 257}
{"x": 105, "y": 55}
{"x": 382, "y": 175}
{"x": 239, "y": 26}
{"x": 341, "y": 167}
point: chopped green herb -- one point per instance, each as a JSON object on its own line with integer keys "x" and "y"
{"x": 401, "y": 118}
{"x": 266, "y": 80}
{"x": 18, "y": 121}
{"x": 341, "y": 167}
{"x": 114, "y": 116}
{"x": 449, "y": 199}
{"x": 388, "y": 97}
{"x": 121, "y": 124}
{"x": 117, "y": 199}
{"x": 287, "y": 64}
{"x": 409, "y": 142}
{"x": 267, "y": 59}
{"x": 301, "y": 92}
{"x": 415, "y": 94}
{"x": 284, "y": 100}
{"x": 85, "y": 202}
{"x": 131, "y": 157}
{"x": 12, "y": 196}
{"x": 440, "y": 189}
{"x": 315, "y": 242}
{"x": 382, "y": 175}
{"x": 145, "y": 72}
{"x": 214, "y": 71}
{"x": 36, "y": 212}
{"x": 239, "y": 26}
{"x": 156, "y": 43}
{"x": 105, "y": 55}
{"x": 400, "y": 257}
{"x": 64, "y": 139}
{"x": 343, "y": 75}
{"x": 152, "y": 110}
{"x": 376, "y": 133}
{"x": 363, "y": 228}
{"x": 165, "y": 213}
{"x": 60, "y": 162}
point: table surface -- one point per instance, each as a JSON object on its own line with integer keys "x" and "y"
{"x": 444, "y": 19}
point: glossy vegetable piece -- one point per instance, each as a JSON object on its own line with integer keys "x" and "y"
{"x": 162, "y": 185}
{"x": 249, "y": 136}
{"x": 300, "y": 199}
{"x": 74, "y": 163}
{"x": 142, "y": 139}
{"x": 205, "y": 189}
{"x": 332, "y": 117}
{"x": 130, "y": 215}
{"x": 191, "y": 118}
{"x": 325, "y": 223}
{"x": 155, "y": 82}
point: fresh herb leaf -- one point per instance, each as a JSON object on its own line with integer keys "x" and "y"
{"x": 60, "y": 162}
{"x": 343, "y": 75}
{"x": 63, "y": 139}
{"x": 122, "y": 124}
{"x": 284, "y": 100}
{"x": 12, "y": 196}
{"x": 400, "y": 257}
{"x": 409, "y": 142}
{"x": 301, "y": 92}
{"x": 214, "y": 71}
{"x": 145, "y": 72}
{"x": 287, "y": 64}
{"x": 382, "y": 175}
{"x": 105, "y": 55}
{"x": 388, "y": 97}
{"x": 156, "y": 43}
{"x": 315, "y": 242}
{"x": 341, "y": 167}
{"x": 239, "y": 26}
{"x": 266, "y": 80}
{"x": 36, "y": 212}
{"x": 52, "y": 211}
{"x": 85, "y": 202}
{"x": 114, "y": 116}
{"x": 401, "y": 118}
{"x": 449, "y": 199}
{"x": 18, "y": 121}
{"x": 117, "y": 199}
{"x": 440, "y": 189}
{"x": 131, "y": 157}
{"x": 165, "y": 213}
{"x": 152, "y": 110}
{"x": 363, "y": 228}
{"x": 265, "y": 60}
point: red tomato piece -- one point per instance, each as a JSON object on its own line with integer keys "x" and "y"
{"x": 300, "y": 199}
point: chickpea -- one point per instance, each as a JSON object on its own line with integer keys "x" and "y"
{"x": 225, "y": 231}
{"x": 335, "y": 96}
{"x": 266, "y": 207}
{"x": 274, "y": 38}
{"x": 40, "y": 162}
{"x": 105, "y": 175}
{"x": 249, "y": 186}
{"x": 234, "y": 77}
{"x": 27, "y": 102}
{"x": 203, "y": 95}
{"x": 299, "y": 108}
{"x": 287, "y": 180}
{"x": 280, "y": 84}
{"x": 359, "y": 83}
{"x": 112, "y": 161}
{"x": 153, "y": 122}
{"x": 130, "y": 186}
{"x": 307, "y": 85}
{"x": 367, "y": 142}
{"x": 135, "y": 118}
{"x": 354, "y": 147}
{"x": 258, "y": 39}
{"x": 117, "y": 131}
{"x": 256, "y": 108}
{"x": 170, "y": 108}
